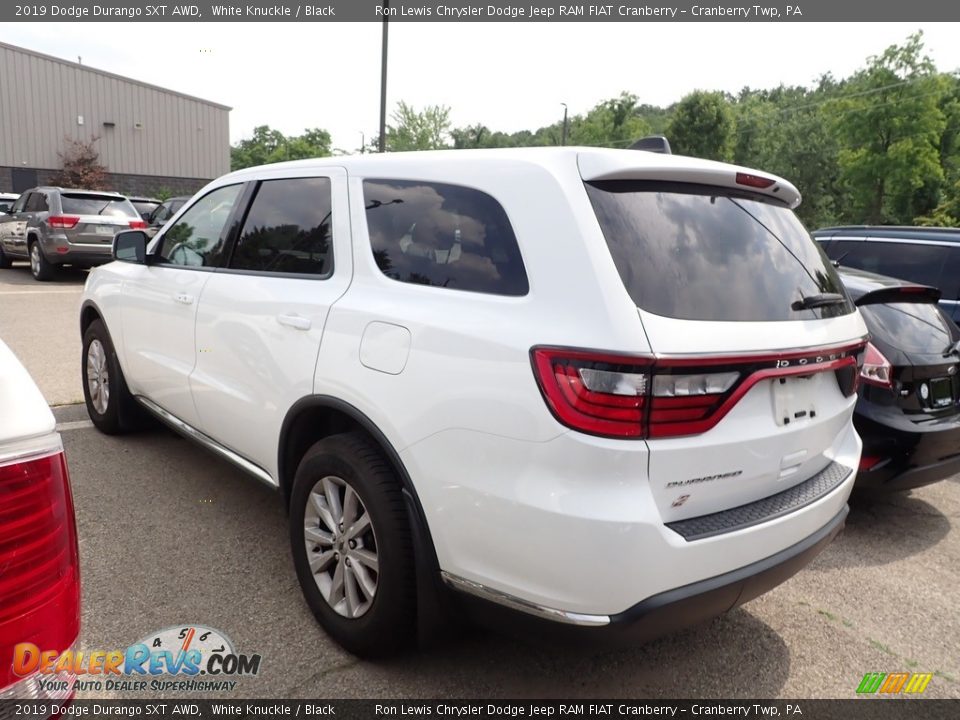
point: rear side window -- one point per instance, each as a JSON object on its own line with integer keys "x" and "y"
{"x": 915, "y": 262}
{"x": 105, "y": 205}
{"x": 287, "y": 229}
{"x": 443, "y": 235}
{"x": 701, "y": 253}
{"x": 37, "y": 203}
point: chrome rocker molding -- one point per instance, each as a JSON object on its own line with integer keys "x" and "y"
{"x": 515, "y": 603}
{"x": 208, "y": 442}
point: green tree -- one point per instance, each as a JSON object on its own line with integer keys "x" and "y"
{"x": 270, "y": 146}
{"x": 611, "y": 123}
{"x": 702, "y": 126}
{"x": 412, "y": 130}
{"x": 890, "y": 124}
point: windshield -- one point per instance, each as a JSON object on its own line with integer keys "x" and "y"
{"x": 702, "y": 253}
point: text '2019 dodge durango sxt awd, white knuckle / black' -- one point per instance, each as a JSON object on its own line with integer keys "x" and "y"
{"x": 604, "y": 391}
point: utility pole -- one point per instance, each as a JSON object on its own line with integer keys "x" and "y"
{"x": 383, "y": 80}
{"x": 564, "y": 140}
{"x": 363, "y": 142}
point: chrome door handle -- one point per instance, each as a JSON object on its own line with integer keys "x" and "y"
{"x": 184, "y": 298}
{"x": 295, "y": 321}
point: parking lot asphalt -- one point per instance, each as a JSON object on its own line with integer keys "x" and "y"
{"x": 171, "y": 535}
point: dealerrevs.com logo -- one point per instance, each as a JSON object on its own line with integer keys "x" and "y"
{"x": 181, "y": 658}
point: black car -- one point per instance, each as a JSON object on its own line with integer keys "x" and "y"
{"x": 908, "y": 409}
{"x": 144, "y": 205}
{"x": 924, "y": 255}
{"x": 161, "y": 214}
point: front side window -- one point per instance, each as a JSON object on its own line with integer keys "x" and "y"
{"x": 703, "y": 253}
{"x": 287, "y": 229}
{"x": 20, "y": 204}
{"x": 197, "y": 239}
{"x": 443, "y": 235}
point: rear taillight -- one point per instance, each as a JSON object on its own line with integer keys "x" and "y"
{"x": 137, "y": 224}
{"x": 876, "y": 369}
{"x": 64, "y": 222}
{"x": 627, "y": 396}
{"x": 595, "y": 393}
{"x": 39, "y": 565}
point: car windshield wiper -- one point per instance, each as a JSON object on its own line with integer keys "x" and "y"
{"x": 818, "y": 301}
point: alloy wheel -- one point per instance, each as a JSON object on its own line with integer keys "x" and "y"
{"x": 341, "y": 547}
{"x": 98, "y": 376}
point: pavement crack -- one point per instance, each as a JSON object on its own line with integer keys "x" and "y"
{"x": 325, "y": 672}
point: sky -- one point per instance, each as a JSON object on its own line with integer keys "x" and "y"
{"x": 508, "y": 76}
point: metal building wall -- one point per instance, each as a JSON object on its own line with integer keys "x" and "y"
{"x": 42, "y": 99}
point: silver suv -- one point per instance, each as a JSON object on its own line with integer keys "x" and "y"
{"x": 51, "y": 226}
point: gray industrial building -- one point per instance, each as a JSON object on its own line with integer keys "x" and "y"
{"x": 150, "y": 139}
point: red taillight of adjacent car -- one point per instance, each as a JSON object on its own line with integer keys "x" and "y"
{"x": 63, "y": 222}
{"x": 876, "y": 369}
{"x": 137, "y": 224}
{"x": 39, "y": 563}
{"x": 627, "y": 396}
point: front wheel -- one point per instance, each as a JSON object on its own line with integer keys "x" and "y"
{"x": 352, "y": 547}
{"x": 110, "y": 405}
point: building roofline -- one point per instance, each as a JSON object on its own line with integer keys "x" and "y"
{"x": 89, "y": 68}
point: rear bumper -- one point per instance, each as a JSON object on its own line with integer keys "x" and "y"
{"x": 60, "y": 251}
{"x": 907, "y": 459}
{"x": 660, "y": 614}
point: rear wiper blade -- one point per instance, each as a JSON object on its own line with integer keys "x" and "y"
{"x": 818, "y": 301}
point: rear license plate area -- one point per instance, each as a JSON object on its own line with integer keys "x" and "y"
{"x": 106, "y": 230}
{"x": 941, "y": 392}
{"x": 793, "y": 400}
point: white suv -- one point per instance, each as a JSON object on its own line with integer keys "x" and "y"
{"x": 607, "y": 389}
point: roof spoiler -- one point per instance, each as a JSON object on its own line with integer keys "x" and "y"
{"x": 653, "y": 143}
{"x": 900, "y": 294}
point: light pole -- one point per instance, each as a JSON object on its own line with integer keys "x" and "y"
{"x": 563, "y": 141}
{"x": 383, "y": 80}
{"x": 363, "y": 142}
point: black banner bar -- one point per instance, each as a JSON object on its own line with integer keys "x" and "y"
{"x": 858, "y": 709}
{"x": 459, "y": 11}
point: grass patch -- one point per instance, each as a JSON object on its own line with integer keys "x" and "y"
{"x": 828, "y": 615}
{"x": 945, "y": 676}
{"x": 880, "y": 646}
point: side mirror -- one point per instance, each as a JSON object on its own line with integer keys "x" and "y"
{"x": 130, "y": 246}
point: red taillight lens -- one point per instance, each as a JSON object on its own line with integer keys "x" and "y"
{"x": 137, "y": 224}
{"x": 63, "y": 221}
{"x": 594, "y": 393}
{"x": 754, "y": 180}
{"x": 876, "y": 369}
{"x": 868, "y": 462}
{"x": 39, "y": 564}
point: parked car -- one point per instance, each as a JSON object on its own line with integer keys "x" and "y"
{"x": 908, "y": 411}
{"x": 144, "y": 206}
{"x": 6, "y": 202}
{"x": 609, "y": 390}
{"x": 923, "y": 255}
{"x": 51, "y": 226}
{"x": 161, "y": 215}
{"x": 39, "y": 562}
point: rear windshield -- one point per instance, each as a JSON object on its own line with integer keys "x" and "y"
{"x": 701, "y": 253}
{"x": 911, "y": 327}
{"x": 96, "y": 205}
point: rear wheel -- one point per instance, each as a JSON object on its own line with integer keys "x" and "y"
{"x": 40, "y": 267}
{"x": 352, "y": 547}
{"x": 110, "y": 405}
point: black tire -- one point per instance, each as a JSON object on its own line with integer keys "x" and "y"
{"x": 120, "y": 411}
{"x": 5, "y": 260}
{"x": 388, "y": 623}
{"x": 41, "y": 268}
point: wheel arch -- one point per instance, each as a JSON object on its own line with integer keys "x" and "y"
{"x": 88, "y": 313}
{"x": 317, "y": 416}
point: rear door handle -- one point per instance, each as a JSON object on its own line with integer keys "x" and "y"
{"x": 184, "y": 298}
{"x": 295, "y": 321}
